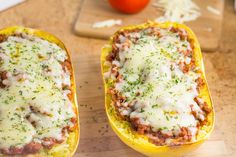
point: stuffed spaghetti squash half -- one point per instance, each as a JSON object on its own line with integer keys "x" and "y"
{"x": 156, "y": 94}
{"x": 38, "y": 106}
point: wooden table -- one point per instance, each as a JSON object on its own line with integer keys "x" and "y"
{"x": 97, "y": 139}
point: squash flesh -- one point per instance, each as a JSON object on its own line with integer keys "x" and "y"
{"x": 68, "y": 147}
{"x": 140, "y": 142}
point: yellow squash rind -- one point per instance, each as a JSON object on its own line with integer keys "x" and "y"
{"x": 73, "y": 139}
{"x": 139, "y": 142}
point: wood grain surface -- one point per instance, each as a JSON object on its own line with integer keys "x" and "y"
{"x": 97, "y": 139}
{"x": 99, "y": 10}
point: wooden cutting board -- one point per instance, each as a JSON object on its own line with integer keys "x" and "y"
{"x": 97, "y": 138}
{"x": 207, "y": 27}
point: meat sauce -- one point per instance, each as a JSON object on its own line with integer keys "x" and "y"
{"x": 121, "y": 44}
{"x": 47, "y": 143}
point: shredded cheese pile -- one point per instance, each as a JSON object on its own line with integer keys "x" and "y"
{"x": 177, "y": 11}
{"x": 107, "y": 23}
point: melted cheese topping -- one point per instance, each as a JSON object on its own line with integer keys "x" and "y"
{"x": 33, "y": 104}
{"x": 160, "y": 94}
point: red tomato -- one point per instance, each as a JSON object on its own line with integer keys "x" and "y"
{"x": 129, "y": 6}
